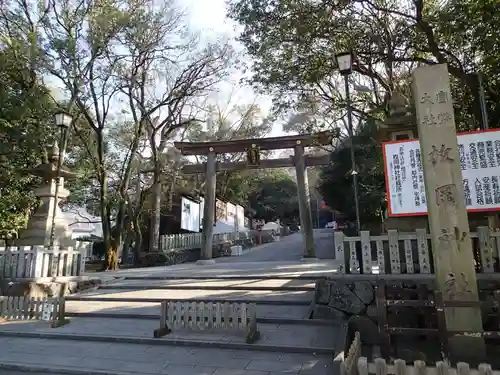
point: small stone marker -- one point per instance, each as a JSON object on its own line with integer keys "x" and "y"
{"x": 448, "y": 221}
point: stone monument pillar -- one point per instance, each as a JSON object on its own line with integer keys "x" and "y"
{"x": 39, "y": 226}
{"x": 448, "y": 221}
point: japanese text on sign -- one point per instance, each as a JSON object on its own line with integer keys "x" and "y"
{"x": 479, "y": 157}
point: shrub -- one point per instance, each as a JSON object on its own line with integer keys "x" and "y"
{"x": 152, "y": 260}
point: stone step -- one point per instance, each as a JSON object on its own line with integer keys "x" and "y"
{"x": 206, "y": 287}
{"x": 267, "y": 269}
{"x": 217, "y": 282}
{"x": 103, "y": 358}
{"x": 151, "y": 295}
{"x": 274, "y": 337}
{"x": 153, "y": 308}
{"x": 309, "y": 322}
{"x": 227, "y": 277}
{"x": 270, "y": 302}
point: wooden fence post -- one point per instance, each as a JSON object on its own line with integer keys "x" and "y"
{"x": 37, "y": 264}
{"x": 423, "y": 251}
{"x": 366, "y": 252}
{"x": 485, "y": 249}
{"x": 339, "y": 251}
{"x": 59, "y": 312}
{"x": 394, "y": 251}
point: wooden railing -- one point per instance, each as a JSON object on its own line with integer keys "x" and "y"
{"x": 28, "y": 308}
{"x": 354, "y": 364}
{"x": 348, "y": 365}
{"x": 379, "y": 366}
{"x": 430, "y": 306}
{"x": 184, "y": 241}
{"x": 208, "y": 316}
{"x": 30, "y": 262}
{"x": 397, "y": 252}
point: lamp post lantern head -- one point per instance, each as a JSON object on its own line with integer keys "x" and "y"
{"x": 344, "y": 62}
{"x": 63, "y": 119}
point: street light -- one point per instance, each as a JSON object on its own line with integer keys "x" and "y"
{"x": 63, "y": 121}
{"x": 344, "y": 62}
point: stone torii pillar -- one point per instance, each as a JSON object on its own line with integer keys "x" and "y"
{"x": 304, "y": 203}
{"x": 209, "y": 210}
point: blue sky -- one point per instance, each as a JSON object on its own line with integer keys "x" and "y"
{"x": 209, "y": 18}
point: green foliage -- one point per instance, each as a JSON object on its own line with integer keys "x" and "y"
{"x": 293, "y": 45}
{"x": 25, "y": 130}
{"x": 274, "y": 196}
{"x": 336, "y": 184}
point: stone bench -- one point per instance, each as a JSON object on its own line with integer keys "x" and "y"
{"x": 210, "y": 317}
{"x": 29, "y": 308}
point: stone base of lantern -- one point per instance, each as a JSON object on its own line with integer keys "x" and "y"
{"x": 39, "y": 228}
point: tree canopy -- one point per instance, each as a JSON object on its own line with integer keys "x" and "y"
{"x": 335, "y": 183}
{"x": 293, "y": 43}
{"x": 25, "y": 130}
{"x": 274, "y": 196}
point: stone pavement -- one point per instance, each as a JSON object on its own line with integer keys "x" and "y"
{"x": 111, "y": 328}
{"x": 143, "y": 359}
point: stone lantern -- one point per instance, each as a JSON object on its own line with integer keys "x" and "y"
{"x": 39, "y": 226}
{"x": 401, "y": 123}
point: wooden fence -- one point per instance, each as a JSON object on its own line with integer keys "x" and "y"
{"x": 29, "y": 308}
{"x": 183, "y": 241}
{"x": 379, "y": 366}
{"x": 39, "y": 261}
{"x": 409, "y": 253}
{"x": 430, "y": 306}
{"x": 209, "y": 316}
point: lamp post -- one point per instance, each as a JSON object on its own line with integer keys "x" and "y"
{"x": 63, "y": 120}
{"x": 344, "y": 62}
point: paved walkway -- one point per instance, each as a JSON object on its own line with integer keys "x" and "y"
{"x": 144, "y": 359}
{"x": 111, "y": 328}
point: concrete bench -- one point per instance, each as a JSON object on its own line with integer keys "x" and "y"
{"x": 209, "y": 316}
{"x": 29, "y": 308}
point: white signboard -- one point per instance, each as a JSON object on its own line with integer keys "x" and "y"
{"x": 240, "y": 217}
{"x": 202, "y": 208}
{"x": 190, "y": 215}
{"x": 479, "y": 160}
{"x": 231, "y": 214}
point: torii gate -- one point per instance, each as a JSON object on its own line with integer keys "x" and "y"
{"x": 253, "y": 147}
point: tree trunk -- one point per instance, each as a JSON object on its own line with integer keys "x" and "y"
{"x": 154, "y": 229}
{"x": 138, "y": 240}
{"x": 129, "y": 237}
{"x": 105, "y": 219}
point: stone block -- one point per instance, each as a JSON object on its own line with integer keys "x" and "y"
{"x": 46, "y": 289}
{"x": 322, "y": 292}
{"x": 351, "y": 298}
{"x": 367, "y": 329}
{"x": 327, "y": 313}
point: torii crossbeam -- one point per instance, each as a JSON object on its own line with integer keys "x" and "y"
{"x": 252, "y": 146}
